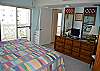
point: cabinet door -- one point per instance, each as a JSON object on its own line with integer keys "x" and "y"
{"x": 68, "y": 46}
{"x": 59, "y": 44}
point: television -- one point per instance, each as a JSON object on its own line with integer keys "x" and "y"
{"x": 75, "y": 32}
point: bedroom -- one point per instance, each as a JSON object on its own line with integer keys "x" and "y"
{"x": 46, "y": 13}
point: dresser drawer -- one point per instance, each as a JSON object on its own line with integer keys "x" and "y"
{"x": 84, "y": 44}
{"x": 68, "y": 47}
{"x": 68, "y": 42}
{"x": 85, "y": 52}
{"x": 75, "y": 54}
{"x": 76, "y": 43}
{"x": 85, "y": 58}
{"x": 75, "y": 49}
{"x": 88, "y": 47}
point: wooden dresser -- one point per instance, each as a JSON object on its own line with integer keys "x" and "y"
{"x": 75, "y": 48}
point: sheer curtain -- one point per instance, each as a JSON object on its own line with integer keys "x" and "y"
{"x": 35, "y": 26}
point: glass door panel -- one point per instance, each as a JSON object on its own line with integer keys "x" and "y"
{"x": 23, "y": 17}
{"x": 23, "y": 20}
{"x": 8, "y": 22}
{"x": 24, "y": 33}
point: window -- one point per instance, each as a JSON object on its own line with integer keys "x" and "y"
{"x": 14, "y": 23}
{"x": 23, "y": 20}
{"x": 59, "y": 24}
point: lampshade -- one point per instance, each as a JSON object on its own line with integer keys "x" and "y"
{"x": 93, "y": 31}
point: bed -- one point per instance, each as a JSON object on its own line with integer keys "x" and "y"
{"x": 23, "y": 55}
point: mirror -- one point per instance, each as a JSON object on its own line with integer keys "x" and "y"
{"x": 88, "y": 20}
{"x": 68, "y": 21}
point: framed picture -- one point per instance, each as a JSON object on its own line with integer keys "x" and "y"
{"x": 78, "y": 16}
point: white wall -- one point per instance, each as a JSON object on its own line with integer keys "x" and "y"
{"x": 98, "y": 17}
{"x": 19, "y": 3}
{"x": 61, "y": 2}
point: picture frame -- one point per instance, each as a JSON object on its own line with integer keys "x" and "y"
{"x": 78, "y": 16}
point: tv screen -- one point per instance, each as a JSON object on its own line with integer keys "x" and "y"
{"x": 75, "y": 32}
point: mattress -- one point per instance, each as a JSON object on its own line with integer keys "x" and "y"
{"x": 23, "y": 55}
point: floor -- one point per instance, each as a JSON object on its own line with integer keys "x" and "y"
{"x": 72, "y": 64}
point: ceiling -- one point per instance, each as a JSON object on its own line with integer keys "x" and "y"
{"x": 50, "y": 3}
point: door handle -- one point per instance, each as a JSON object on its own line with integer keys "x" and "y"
{"x": 41, "y": 29}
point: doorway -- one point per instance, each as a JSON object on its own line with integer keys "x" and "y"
{"x": 56, "y": 23}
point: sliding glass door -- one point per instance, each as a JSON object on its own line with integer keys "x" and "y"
{"x": 8, "y": 22}
{"x": 14, "y": 23}
{"x": 23, "y": 20}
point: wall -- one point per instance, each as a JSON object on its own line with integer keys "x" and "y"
{"x": 78, "y": 24}
{"x": 61, "y": 2}
{"x": 19, "y": 3}
{"x": 98, "y": 17}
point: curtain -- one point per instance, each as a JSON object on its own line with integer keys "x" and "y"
{"x": 35, "y": 23}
